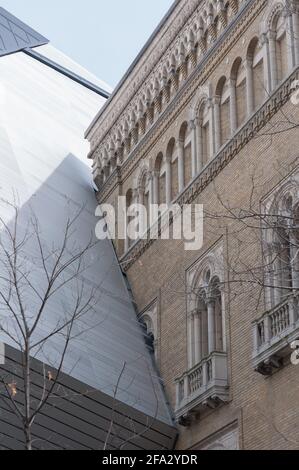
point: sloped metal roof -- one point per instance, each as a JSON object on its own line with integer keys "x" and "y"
{"x": 43, "y": 115}
{"x": 16, "y": 35}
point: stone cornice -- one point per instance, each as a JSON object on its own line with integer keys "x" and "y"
{"x": 257, "y": 122}
{"x": 182, "y": 11}
{"x": 199, "y": 76}
{"x": 186, "y": 44}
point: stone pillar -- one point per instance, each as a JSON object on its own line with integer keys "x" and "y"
{"x": 217, "y": 126}
{"x": 269, "y": 281}
{"x": 168, "y": 180}
{"x": 193, "y": 148}
{"x": 277, "y": 274}
{"x": 294, "y": 248}
{"x": 197, "y": 336}
{"x": 267, "y": 67}
{"x": 233, "y": 106}
{"x": 212, "y": 129}
{"x": 156, "y": 187}
{"x": 150, "y": 198}
{"x": 273, "y": 59}
{"x": 191, "y": 340}
{"x": 249, "y": 86}
{"x": 140, "y": 195}
{"x": 199, "y": 145}
{"x": 186, "y": 386}
{"x": 205, "y": 373}
{"x": 178, "y": 394}
{"x": 267, "y": 328}
{"x": 181, "y": 170}
{"x": 211, "y": 324}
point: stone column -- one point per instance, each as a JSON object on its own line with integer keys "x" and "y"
{"x": 178, "y": 394}
{"x": 290, "y": 40}
{"x": 277, "y": 274}
{"x": 269, "y": 281}
{"x": 249, "y": 86}
{"x": 190, "y": 340}
{"x": 267, "y": 66}
{"x": 140, "y": 195}
{"x": 181, "y": 170}
{"x": 217, "y": 128}
{"x": 186, "y": 386}
{"x": 155, "y": 187}
{"x": 256, "y": 340}
{"x": 233, "y": 106}
{"x": 267, "y": 329}
{"x": 168, "y": 180}
{"x": 211, "y": 129}
{"x": 197, "y": 336}
{"x": 199, "y": 145}
{"x": 294, "y": 248}
{"x": 205, "y": 374}
{"x": 211, "y": 324}
{"x": 150, "y": 198}
{"x": 273, "y": 59}
{"x": 193, "y": 148}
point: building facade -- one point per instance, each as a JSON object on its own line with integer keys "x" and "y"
{"x": 107, "y": 375}
{"x": 208, "y": 114}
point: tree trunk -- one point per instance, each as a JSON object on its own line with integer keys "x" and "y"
{"x": 27, "y": 386}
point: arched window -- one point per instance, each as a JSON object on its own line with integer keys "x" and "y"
{"x": 205, "y": 330}
{"x": 281, "y": 44}
{"x": 282, "y": 52}
{"x": 256, "y": 92}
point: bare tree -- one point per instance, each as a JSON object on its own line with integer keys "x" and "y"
{"x": 115, "y": 432}
{"x": 32, "y": 276}
{"x": 269, "y": 231}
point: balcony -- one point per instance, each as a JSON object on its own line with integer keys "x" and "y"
{"x": 204, "y": 386}
{"x": 273, "y": 334}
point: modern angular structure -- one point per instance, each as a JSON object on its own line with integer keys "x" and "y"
{"x": 108, "y": 376}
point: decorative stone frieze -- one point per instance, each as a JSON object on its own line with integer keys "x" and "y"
{"x": 192, "y": 33}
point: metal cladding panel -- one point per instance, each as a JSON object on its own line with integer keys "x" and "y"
{"x": 43, "y": 115}
{"x": 15, "y": 35}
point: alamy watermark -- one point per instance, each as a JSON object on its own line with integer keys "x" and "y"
{"x": 140, "y": 222}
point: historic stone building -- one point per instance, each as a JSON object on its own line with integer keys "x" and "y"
{"x": 208, "y": 113}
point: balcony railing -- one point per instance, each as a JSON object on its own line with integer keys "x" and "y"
{"x": 205, "y": 385}
{"x": 273, "y": 333}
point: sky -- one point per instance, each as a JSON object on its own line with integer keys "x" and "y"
{"x": 102, "y": 36}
